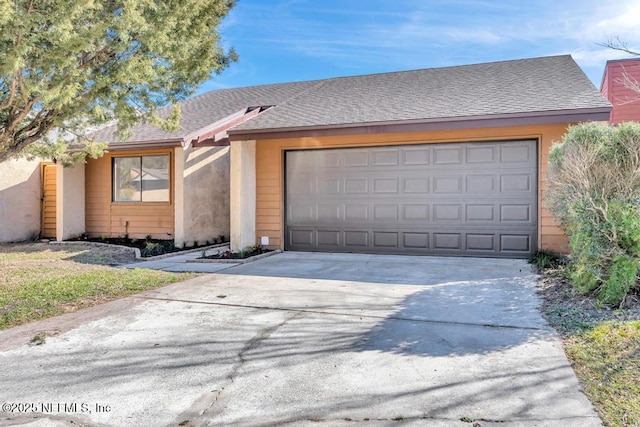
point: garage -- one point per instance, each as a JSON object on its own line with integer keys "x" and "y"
{"x": 462, "y": 199}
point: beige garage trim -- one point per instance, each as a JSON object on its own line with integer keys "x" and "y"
{"x": 270, "y": 170}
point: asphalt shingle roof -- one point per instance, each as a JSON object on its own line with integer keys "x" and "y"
{"x": 202, "y": 110}
{"x": 547, "y": 84}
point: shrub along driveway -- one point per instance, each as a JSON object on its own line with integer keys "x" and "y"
{"x": 305, "y": 338}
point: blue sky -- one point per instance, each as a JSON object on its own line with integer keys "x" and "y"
{"x": 292, "y": 40}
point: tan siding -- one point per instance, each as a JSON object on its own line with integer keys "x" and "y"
{"x": 106, "y": 218}
{"x": 270, "y": 161}
{"x": 49, "y": 200}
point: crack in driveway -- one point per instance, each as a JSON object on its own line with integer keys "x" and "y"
{"x": 368, "y": 316}
{"x": 400, "y": 418}
{"x": 194, "y": 416}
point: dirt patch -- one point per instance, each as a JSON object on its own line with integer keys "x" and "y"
{"x": 45, "y": 255}
{"x": 568, "y": 309}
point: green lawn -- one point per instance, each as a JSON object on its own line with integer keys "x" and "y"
{"x": 606, "y": 359}
{"x": 39, "y": 280}
{"x": 602, "y": 344}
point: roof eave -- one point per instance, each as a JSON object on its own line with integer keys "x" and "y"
{"x": 140, "y": 145}
{"x": 445, "y": 123}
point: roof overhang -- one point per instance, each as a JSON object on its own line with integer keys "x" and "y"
{"x": 446, "y": 123}
{"x": 140, "y": 145}
{"x": 214, "y": 134}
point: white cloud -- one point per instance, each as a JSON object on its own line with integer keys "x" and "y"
{"x": 382, "y": 35}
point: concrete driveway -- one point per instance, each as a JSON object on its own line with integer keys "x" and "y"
{"x": 305, "y": 339}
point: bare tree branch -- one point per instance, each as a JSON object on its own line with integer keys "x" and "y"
{"x": 619, "y": 45}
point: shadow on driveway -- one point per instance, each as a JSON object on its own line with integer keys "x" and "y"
{"x": 307, "y": 338}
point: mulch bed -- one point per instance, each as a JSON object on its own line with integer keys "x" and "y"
{"x": 159, "y": 247}
{"x": 562, "y": 303}
{"x": 238, "y": 255}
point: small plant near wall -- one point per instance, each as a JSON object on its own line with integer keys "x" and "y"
{"x": 544, "y": 259}
{"x": 151, "y": 249}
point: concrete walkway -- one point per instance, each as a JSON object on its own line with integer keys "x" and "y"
{"x": 306, "y": 339}
{"x": 178, "y": 263}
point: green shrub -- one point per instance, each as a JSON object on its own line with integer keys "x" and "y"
{"x": 622, "y": 276}
{"x": 594, "y": 189}
{"x": 584, "y": 277}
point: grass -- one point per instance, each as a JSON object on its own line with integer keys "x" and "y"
{"x": 38, "y": 280}
{"x": 606, "y": 359}
{"x": 603, "y": 346}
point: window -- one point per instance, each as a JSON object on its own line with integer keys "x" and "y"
{"x": 141, "y": 179}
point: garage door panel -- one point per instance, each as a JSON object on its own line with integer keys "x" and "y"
{"x": 385, "y": 239}
{"x": 516, "y": 182}
{"x": 521, "y": 213}
{"x": 477, "y": 213}
{"x": 515, "y": 243}
{"x": 416, "y": 156}
{"x": 301, "y": 213}
{"x": 516, "y": 153}
{"x": 480, "y": 242}
{"x": 444, "y": 155}
{"x": 385, "y": 213}
{"x": 328, "y": 160}
{"x": 447, "y": 241}
{"x": 447, "y": 213}
{"x": 329, "y": 186}
{"x": 458, "y": 199}
{"x": 414, "y": 213}
{"x": 416, "y": 240}
{"x": 385, "y": 185}
{"x": 356, "y": 239}
{"x": 301, "y": 237}
{"x": 329, "y": 213}
{"x": 481, "y": 154}
{"x": 302, "y": 185}
{"x": 356, "y": 186}
{"x": 386, "y": 157}
{"x": 482, "y": 184}
{"x": 356, "y": 158}
{"x": 356, "y": 213}
{"x": 447, "y": 184}
{"x": 329, "y": 237}
{"x": 415, "y": 185}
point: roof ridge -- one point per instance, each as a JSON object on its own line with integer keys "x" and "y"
{"x": 451, "y": 66}
{"x": 380, "y": 73}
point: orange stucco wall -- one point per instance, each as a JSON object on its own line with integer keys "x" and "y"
{"x": 270, "y": 175}
{"x": 111, "y": 219}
